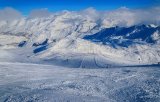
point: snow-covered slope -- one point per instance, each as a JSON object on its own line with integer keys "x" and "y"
{"x": 77, "y": 40}
{"x": 44, "y": 83}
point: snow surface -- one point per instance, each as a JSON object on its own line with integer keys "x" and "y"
{"x": 21, "y": 82}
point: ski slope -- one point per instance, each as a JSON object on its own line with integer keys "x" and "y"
{"x": 22, "y": 82}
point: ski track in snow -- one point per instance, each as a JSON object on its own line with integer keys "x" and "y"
{"x": 22, "y": 82}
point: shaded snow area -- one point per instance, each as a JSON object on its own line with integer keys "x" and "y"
{"x": 44, "y": 83}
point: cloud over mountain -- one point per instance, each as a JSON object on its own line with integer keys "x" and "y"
{"x": 39, "y": 13}
{"x": 9, "y": 14}
{"x": 119, "y": 17}
{"x": 126, "y": 17}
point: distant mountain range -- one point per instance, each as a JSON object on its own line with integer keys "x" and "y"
{"x": 126, "y": 36}
{"x": 75, "y": 41}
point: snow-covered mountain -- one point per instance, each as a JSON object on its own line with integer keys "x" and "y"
{"x": 127, "y": 36}
{"x": 77, "y": 40}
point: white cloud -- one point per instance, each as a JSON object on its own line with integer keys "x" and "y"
{"x": 90, "y": 13}
{"x": 38, "y": 13}
{"x": 119, "y": 17}
{"x": 9, "y": 14}
{"x": 124, "y": 16}
{"x": 129, "y": 17}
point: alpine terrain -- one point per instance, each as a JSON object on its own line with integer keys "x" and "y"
{"x": 74, "y": 56}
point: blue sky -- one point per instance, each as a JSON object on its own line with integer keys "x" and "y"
{"x": 25, "y": 6}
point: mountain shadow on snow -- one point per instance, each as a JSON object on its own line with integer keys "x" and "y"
{"x": 125, "y": 36}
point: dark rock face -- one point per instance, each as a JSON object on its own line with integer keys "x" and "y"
{"x": 39, "y": 44}
{"x": 40, "y": 49}
{"x": 21, "y": 44}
